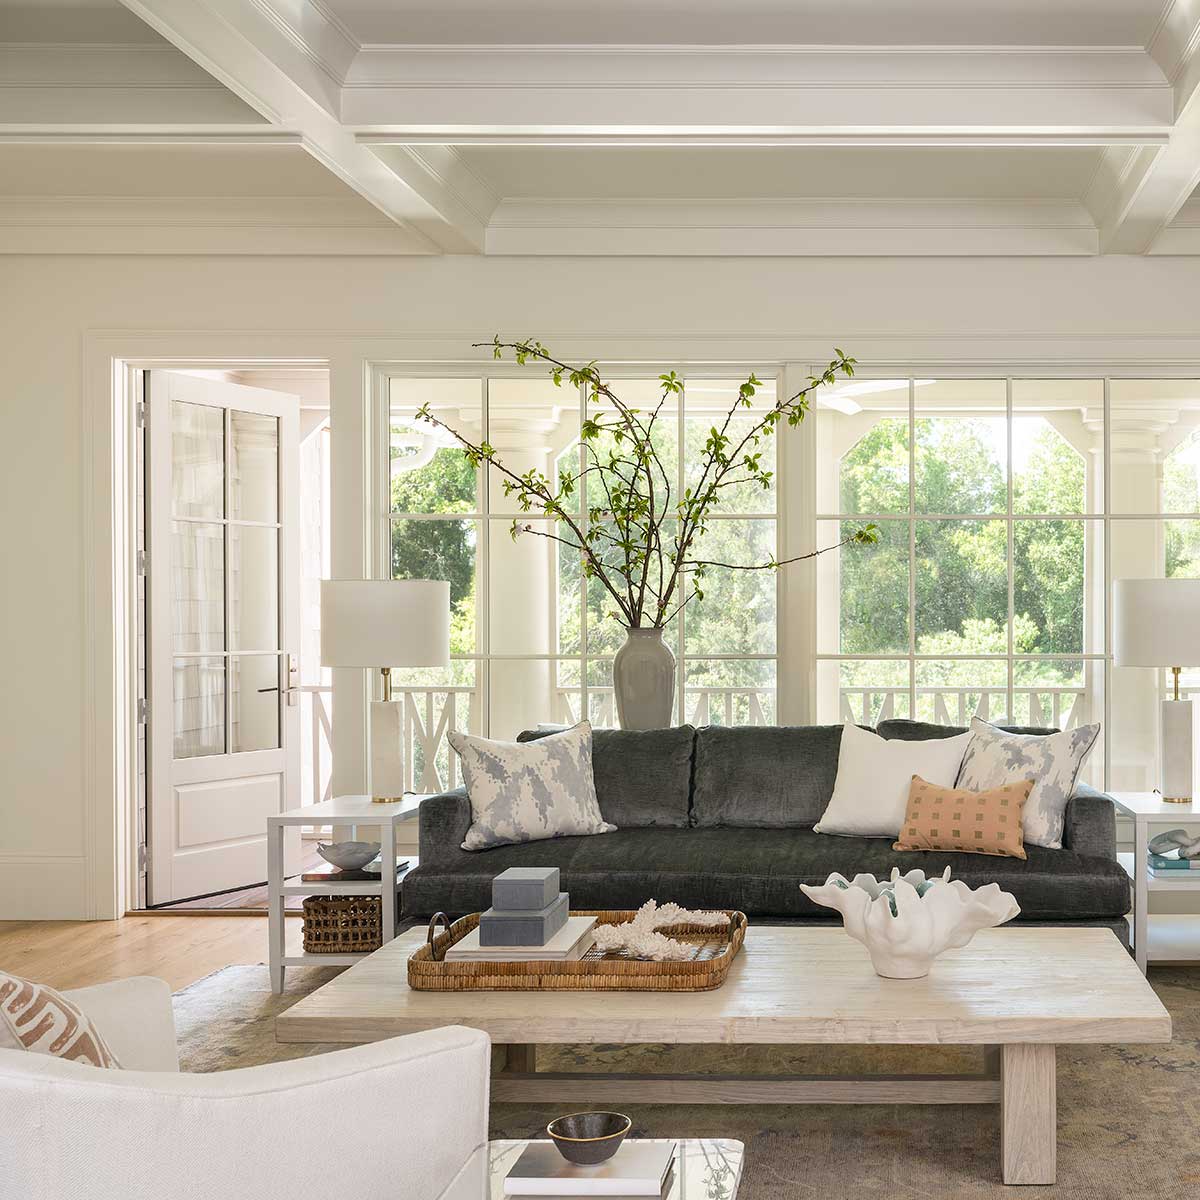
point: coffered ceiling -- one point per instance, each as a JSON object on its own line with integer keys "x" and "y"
{"x": 799, "y": 127}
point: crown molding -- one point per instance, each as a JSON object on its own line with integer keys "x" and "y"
{"x": 802, "y": 227}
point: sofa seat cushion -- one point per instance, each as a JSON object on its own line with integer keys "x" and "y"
{"x": 760, "y": 872}
{"x": 643, "y": 777}
{"x": 764, "y": 777}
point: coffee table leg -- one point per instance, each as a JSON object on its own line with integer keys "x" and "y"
{"x": 1028, "y": 1139}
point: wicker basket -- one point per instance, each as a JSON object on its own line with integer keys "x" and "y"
{"x": 713, "y": 952}
{"x": 342, "y": 924}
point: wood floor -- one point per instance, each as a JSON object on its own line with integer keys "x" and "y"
{"x": 179, "y": 949}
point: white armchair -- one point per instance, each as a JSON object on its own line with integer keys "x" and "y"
{"x": 403, "y": 1119}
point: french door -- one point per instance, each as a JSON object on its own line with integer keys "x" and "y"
{"x": 222, "y": 519}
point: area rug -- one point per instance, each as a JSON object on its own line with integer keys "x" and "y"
{"x": 1128, "y": 1116}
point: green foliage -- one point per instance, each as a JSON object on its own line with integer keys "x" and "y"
{"x": 640, "y": 541}
{"x": 961, "y": 580}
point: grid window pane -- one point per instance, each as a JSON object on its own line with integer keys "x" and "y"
{"x": 707, "y": 404}
{"x": 738, "y": 612}
{"x": 951, "y": 693}
{"x": 862, "y": 446}
{"x": 960, "y": 435}
{"x": 429, "y": 472}
{"x": 961, "y": 587}
{"x": 1049, "y": 589}
{"x": 253, "y": 467}
{"x": 197, "y": 460}
{"x": 1057, "y": 429}
{"x": 861, "y": 690}
{"x": 534, "y": 593}
{"x": 729, "y": 691}
{"x": 1156, "y": 445}
{"x": 534, "y": 426}
{"x": 862, "y": 591}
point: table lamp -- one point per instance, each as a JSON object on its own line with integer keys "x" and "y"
{"x": 397, "y": 622}
{"x": 1156, "y": 623}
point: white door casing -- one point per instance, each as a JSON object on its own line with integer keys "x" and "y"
{"x": 222, "y": 630}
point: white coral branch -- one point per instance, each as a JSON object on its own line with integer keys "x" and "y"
{"x": 638, "y": 936}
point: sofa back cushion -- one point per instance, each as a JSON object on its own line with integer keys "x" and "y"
{"x": 902, "y": 729}
{"x": 643, "y": 778}
{"x": 764, "y": 777}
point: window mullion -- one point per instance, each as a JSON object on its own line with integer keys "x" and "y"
{"x": 1012, "y": 617}
{"x": 912, "y": 550}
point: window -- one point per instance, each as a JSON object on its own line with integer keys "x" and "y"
{"x": 530, "y": 642}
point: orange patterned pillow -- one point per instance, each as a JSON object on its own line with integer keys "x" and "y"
{"x": 35, "y": 1017}
{"x": 942, "y": 818}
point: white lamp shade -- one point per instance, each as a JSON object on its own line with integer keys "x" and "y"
{"x": 385, "y": 623}
{"x": 1156, "y": 622}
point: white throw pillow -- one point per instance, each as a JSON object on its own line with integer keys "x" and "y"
{"x": 527, "y": 791}
{"x": 1051, "y": 760}
{"x": 870, "y": 796}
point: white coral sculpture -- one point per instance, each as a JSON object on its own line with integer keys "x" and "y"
{"x": 905, "y": 922}
{"x": 641, "y": 939}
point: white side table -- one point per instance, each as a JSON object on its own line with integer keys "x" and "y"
{"x": 342, "y": 810}
{"x": 704, "y": 1168}
{"x": 1174, "y": 938}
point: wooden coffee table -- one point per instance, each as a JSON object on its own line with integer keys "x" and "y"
{"x": 1017, "y": 992}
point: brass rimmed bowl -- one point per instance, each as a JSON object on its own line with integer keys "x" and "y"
{"x": 587, "y": 1138}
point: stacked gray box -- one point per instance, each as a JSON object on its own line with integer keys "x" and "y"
{"x": 527, "y": 908}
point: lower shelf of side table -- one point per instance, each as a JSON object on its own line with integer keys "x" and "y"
{"x": 1172, "y": 937}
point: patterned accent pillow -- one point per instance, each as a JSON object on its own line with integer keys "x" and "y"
{"x": 1052, "y": 761}
{"x": 528, "y": 791}
{"x": 941, "y": 818}
{"x": 35, "y": 1017}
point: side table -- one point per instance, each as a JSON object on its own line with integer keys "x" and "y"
{"x": 1178, "y": 937}
{"x": 341, "y": 810}
{"x": 704, "y": 1168}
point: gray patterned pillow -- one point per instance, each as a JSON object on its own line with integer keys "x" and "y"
{"x": 995, "y": 758}
{"x": 524, "y": 792}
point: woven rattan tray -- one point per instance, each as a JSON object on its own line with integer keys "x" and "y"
{"x": 715, "y": 950}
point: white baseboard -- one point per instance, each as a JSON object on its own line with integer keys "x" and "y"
{"x": 43, "y": 887}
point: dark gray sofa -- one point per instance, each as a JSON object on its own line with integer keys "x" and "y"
{"x": 722, "y": 817}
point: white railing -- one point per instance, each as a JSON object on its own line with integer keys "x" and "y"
{"x": 429, "y": 714}
{"x": 1059, "y": 707}
{"x": 703, "y": 706}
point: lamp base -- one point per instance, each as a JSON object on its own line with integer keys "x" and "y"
{"x": 1176, "y": 748}
{"x": 387, "y": 765}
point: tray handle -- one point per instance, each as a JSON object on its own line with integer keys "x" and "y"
{"x": 430, "y": 938}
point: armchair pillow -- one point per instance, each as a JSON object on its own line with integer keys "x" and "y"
{"x": 995, "y": 758}
{"x": 525, "y": 792}
{"x": 38, "y": 1018}
{"x": 874, "y": 776}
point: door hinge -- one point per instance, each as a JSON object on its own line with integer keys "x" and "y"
{"x": 141, "y": 562}
{"x": 143, "y": 712}
{"x": 139, "y": 413}
{"x": 143, "y": 858}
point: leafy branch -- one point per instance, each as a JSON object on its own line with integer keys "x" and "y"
{"x": 636, "y": 538}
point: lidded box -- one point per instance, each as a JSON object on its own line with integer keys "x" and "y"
{"x": 525, "y": 889}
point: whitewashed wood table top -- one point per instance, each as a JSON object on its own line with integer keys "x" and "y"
{"x": 792, "y": 984}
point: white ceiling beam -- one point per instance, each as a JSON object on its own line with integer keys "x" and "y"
{"x": 1136, "y": 195}
{"x": 88, "y": 84}
{"x": 757, "y": 95}
{"x": 252, "y": 49}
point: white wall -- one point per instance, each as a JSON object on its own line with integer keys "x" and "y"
{"x": 1111, "y": 311}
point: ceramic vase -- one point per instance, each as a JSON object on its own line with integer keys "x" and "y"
{"x": 644, "y": 681}
{"x": 905, "y": 922}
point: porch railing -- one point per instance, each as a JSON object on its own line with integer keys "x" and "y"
{"x": 430, "y": 713}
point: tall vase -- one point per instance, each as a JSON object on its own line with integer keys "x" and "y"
{"x": 644, "y": 681}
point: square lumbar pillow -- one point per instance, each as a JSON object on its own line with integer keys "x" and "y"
{"x": 941, "y": 818}
{"x": 874, "y": 775}
{"x": 38, "y": 1018}
{"x": 527, "y": 791}
{"x": 1053, "y": 761}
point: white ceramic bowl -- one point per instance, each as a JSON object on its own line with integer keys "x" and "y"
{"x": 348, "y": 856}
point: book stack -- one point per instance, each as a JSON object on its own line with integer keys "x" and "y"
{"x": 639, "y": 1168}
{"x": 529, "y": 921}
{"x": 1171, "y": 866}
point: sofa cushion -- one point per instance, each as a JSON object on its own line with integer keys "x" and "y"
{"x": 643, "y": 778}
{"x": 760, "y": 872}
{"x": 764, "y": 777}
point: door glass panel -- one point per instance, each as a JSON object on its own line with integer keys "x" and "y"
{"x": 253, "y": 467}
{"x": 253, "y": 702}
{"x": 253, "y": 588}
{"x": 199, "y": 701}
{"x": 198, "y": 586}
{"x": 197, "y": 460}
